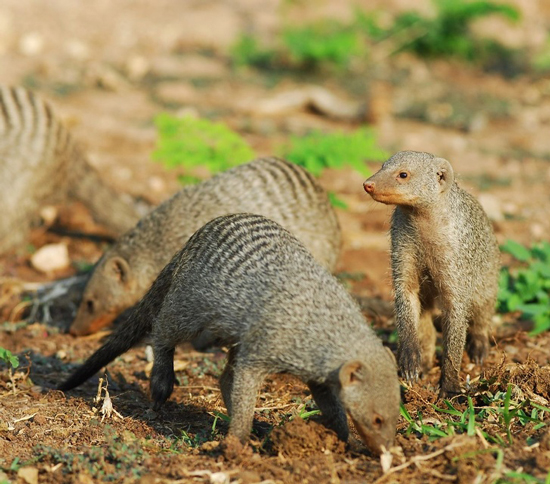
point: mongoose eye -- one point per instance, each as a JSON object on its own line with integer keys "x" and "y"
{"x": 403, "y": 174}
{"x": 377, "y": 421}
{"x": 90, "y": 306}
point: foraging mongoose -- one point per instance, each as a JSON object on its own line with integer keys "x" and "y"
{"x": 41, "y": 164}
{"x": 253, "y": 285}
{"x": 272, "y": 187}
{"x": 443, "y": 250}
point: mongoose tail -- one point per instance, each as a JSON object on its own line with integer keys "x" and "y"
{"x": 442, "y": 249}
{"x": 282, "y": 191}
{"x": 128, "y": 334}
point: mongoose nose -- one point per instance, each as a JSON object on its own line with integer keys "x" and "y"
{"x": 368, "y": 186}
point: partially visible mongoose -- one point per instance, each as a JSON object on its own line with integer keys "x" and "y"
{"x": 272, "y": 187}
{"x": 256, "y": 288}
{"x": 41, "y": 164}
{"x": 442, "y": 249}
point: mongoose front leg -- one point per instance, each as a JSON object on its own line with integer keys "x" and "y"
{"x": 331, "y": 408}
{"x": 407, "y": 310}
{"x": 454, "y": 340}
{"x": 162, "y": 376}
{"x": 246, "y": 383}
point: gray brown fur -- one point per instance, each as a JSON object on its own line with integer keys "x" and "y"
{"x": 272, "y": 187}
{"x": 254, "y": 286}
{"x": 443, "y": 250}
{"x": 40, "y": 164}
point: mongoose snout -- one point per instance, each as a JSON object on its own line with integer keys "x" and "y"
{"x": 442, "y": 249}
{"x": 368, "y": 186}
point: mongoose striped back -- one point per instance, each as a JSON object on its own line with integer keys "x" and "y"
{"x": 240, "y": 245}
{"x": 271, "y": 187}
{"x": 40, "y": 164}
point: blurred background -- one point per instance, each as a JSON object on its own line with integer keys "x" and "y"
{"x": 335, "y": 85}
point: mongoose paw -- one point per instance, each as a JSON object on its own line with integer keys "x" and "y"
{"x": 477, "y": 349}
{"x": 409, "y": 365}
{"x": 449, "y": 389}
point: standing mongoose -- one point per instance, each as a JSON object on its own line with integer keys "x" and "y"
{"x": 253, "y": 285}
{"x": 443, "y": 250}
{"x": 41, "y": 164}
{"x": 272, "y": 187}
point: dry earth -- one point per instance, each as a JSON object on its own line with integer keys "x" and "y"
{"x": 109, "y": 67}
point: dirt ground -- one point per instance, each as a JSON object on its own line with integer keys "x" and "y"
{"x": 109, "y": 68}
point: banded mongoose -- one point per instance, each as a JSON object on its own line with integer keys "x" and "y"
{"x": 252, "y": 284}
{"x": 41, "y": 164}
{"x": 442, "y": 249}
{"x": 272, "y": 187}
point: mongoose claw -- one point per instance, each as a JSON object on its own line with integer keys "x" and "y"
{"x": 477, "y": 349}
{"x": 409, "y": 365}
{"x": 411, "y": 377}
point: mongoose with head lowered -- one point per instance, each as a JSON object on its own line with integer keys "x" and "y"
{"x": 253, "y": 285}
{"x": 41, "y": 164}
{"x": 442, "y": 248}
{"x": 272, "y": 187}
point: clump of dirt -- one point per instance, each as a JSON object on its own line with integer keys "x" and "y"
{"x": 299, "y": 437}
{"x": 234, "y": 450}
{"x": 531, "y": 378}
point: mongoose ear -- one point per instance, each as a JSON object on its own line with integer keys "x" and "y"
{"x": 351, "y": 373}
{"x": 118, "y": 269}
{"x": 445, "y": 174}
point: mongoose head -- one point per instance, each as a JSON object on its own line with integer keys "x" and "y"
{"x": 371, "y": 396}
{"x": 107, "y": 293}
{"x": 410, "y": 178}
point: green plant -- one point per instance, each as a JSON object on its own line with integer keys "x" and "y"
{"x": 190, "y": 142}
{"x": 541, "y": 60}
{"x": 317, "y": 151}
{"x": 8, "y": 358}
{"x": 447, "y": 34}
{"x": 324, "y": 42}
{"x": 522, "y": 478}
{"x": 304, "y": 47}
{"x": 196, "y": 440}
{"x": 247, "y": 51}
{"x": 500, "y": 408}
{"x": 527, "y": 289}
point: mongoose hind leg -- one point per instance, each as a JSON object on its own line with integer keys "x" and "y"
{"x": 162, "y": 375}
{"x": 331, "y": 408}
{"x": 454, "y": 340}
{"x": 226, "y": 379}
{"x": 427, "y": 338}
{"x": 477, "y": 341}
{"x": 426, "y": 329}
{"x": 246, "y": 382}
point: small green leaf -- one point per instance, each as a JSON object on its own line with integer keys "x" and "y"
{"x": 517, "y": 250}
